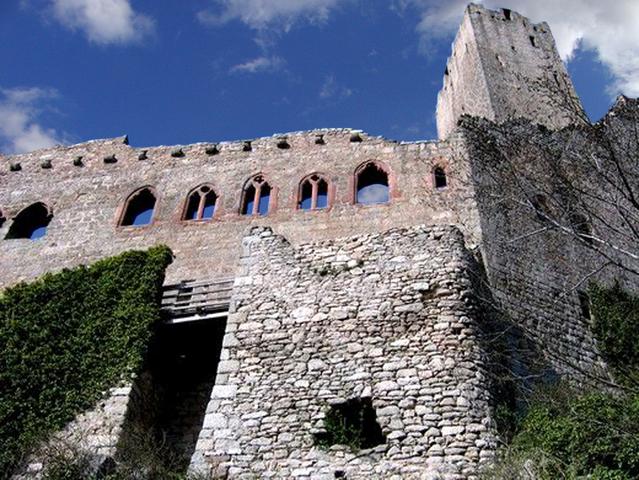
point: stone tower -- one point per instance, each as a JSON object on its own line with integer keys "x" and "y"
{"x": 502, "y": 67}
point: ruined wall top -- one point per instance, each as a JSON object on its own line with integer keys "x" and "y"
{"x": 503, "y": 66}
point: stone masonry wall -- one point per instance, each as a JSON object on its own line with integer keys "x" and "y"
{"x": 387, "y": 316}
{"x": 96, "y": 431}
{"x": 538, "y": 267}
{"x": 86, "y": 200}
{"x": 502, "y": 67}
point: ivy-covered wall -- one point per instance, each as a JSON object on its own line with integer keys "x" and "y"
{"x": 67, "y": 338}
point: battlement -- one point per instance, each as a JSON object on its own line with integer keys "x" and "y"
{"x": 94, "y": 153}
{"x": 84, "y": 192}
{"x": 503, "y": 66}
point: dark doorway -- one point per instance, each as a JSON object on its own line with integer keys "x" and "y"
{"x": 175, "y": 388}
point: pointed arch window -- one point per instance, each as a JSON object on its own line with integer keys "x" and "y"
{"x": 371, "y": 184}
{"x": 200, "y": 204}
{"x": 31, "y": 223}
{"x": 139, "y": 209}
{"x": 439, "y": 178}
{"x": 256, "y": 199}
{"x": 313, "y": 193}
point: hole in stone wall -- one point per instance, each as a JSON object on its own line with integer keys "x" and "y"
{"x": 533, "y": 41}
{"x": 352, "y": 423}
{"x": 31, "y": 223}
{"x": 540, "y": 204}
{"x": 175, "y": 388}
{"x": 439, "y": 177}
{"x": 2, "y": 219}
{"x": 584, "y": 305}
{"x": 581, "y": 227}
{"x": 507, "y": 13}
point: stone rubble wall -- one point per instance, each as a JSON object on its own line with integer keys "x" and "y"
{"x": 388, "y": 316}
{"x": 96, "y": 431}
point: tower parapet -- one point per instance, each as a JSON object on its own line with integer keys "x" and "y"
{"x": 503, "y": 66}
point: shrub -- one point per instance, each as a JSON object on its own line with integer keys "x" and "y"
{"x": 576, "y": 435}
{"x": 68, "y": 337}
{"x": 615, "y": 315}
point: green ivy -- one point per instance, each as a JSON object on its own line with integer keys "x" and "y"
{"x": 615, "y": 315}
{"x": 68, "y": 337}
{"x": 595, "y": 434}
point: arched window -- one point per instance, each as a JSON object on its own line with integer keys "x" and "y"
{"x": 439, "y": 178}
{"x": 31, "y": 223}
{"x": 139, "y": 208}
{"x": 371, "y": 185}
{"x": 256, "y": 197}
{"x": 2, "y": 219}
{"x": 200, "y": 204}
{"x": 313, "y": 193}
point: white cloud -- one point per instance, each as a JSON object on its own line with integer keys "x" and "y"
{"x": 267, "y": 14}
{"x": 103, "y": 21}
{"x": 19, "y": 129}
{"x": 331, "y": 89}
{"x": 371, "y": 194}
{"x": 611, "y": 29}
{"x": 259, "y": 64}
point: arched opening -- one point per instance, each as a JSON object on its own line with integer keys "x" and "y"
{"x": 313, "y": 194}
{"x": 200, "y": 204}
{"x": 139, "y": 208}
{"x": 371, "y": 185}
{"x": 31, "y": 223}
{"x": 439, "y": 178}
{"x": 256, "y": 199}
{"x": 2, "y": 219}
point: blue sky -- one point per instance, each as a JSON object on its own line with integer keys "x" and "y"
{"x": 172, "y": 72}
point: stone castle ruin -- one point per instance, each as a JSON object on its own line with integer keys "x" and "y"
{"x": 332, "y": 269}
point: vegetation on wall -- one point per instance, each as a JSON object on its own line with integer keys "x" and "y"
{"x": 68, "y": 337}
{"x": 570, "y": 434}
{"x": 567, "y": 435}
{"x": 615, "y": 323}
{"x": 352, "y": 423}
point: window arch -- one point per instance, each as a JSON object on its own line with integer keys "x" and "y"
{"x": 31, "y": 223}
{"x": 256, "y": 198}
{"x": 139, "y": 208}
{"x": 439, "y": 177}
{"x": 313, "y": 193}
{"x": 201, "y": 204}
{"x": 371, "y": 184}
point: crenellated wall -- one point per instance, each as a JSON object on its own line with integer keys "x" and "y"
{"x": 503, "y": 67}
{"x": 86, "y": 200}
